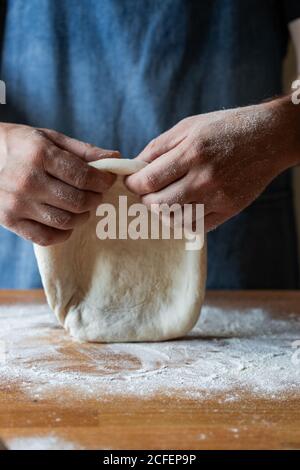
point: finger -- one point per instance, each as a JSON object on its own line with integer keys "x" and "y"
{"x": 57, "y": 218}
{"x": 191, "y": 218}
{"x": 83, "y": 150}
{"x": 40, "y": 234}
{"x": 161, "y": 144}
{"x": 176, "y": 193}
{"x": 14, "y": 209}
{"x": 189, "y": 213}
{"x": 72, "y": 170}
{"x": 160, "y": 173}
{"x": 64, "y": 196}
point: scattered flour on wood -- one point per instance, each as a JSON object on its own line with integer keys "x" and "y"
{"x": 227, "y": 351}
{"x": 49, "y": 442}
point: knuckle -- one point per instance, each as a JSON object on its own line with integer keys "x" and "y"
{"x": 81, "y": 178}
{"x": 88, "y": 148}
{"x": 51, "y": 155}
{"x": 38, "y": 133}
{"x": 25, "y": 183}
{"x": 60, "y": 220}
{"x": 63, "y": 221}
{"x": 79, "y": 202}
{"x": 149, "y": 183}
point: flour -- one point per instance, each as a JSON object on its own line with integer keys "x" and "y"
{"x": 50, "y": 442}
{"x": 228, "y": 352}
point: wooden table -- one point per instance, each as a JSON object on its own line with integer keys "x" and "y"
{"x": 159, "y": 422}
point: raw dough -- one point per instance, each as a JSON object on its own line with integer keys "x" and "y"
{"x": 122, "y": 290}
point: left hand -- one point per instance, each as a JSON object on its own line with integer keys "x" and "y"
{"x": 223, "y": 160}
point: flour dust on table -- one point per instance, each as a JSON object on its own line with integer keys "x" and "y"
{"x": 229, "y": 352}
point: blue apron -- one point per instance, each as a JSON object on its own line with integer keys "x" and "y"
{"x": 116, "y": 73}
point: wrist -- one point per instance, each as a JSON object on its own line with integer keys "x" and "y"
{"x": 284, "y": 131}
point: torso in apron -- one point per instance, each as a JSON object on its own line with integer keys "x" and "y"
{"x": 117, "y": 74}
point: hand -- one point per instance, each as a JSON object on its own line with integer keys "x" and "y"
{"x": 223, "y": 159}
{"x": 46, "y": 186}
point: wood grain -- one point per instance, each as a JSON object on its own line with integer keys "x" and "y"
{"x": 160, "y": 422}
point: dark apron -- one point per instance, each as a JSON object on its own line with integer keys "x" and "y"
{"x": 117, "y": 73}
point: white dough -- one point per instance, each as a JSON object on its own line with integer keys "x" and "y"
{"x": 119, "y": 166}
{"x": 122, "y": 290}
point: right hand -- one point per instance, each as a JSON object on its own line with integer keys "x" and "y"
{"x": 47, "y": 187}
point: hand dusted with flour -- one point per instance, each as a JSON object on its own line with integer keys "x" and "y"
{"x": 122, "y": 290}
